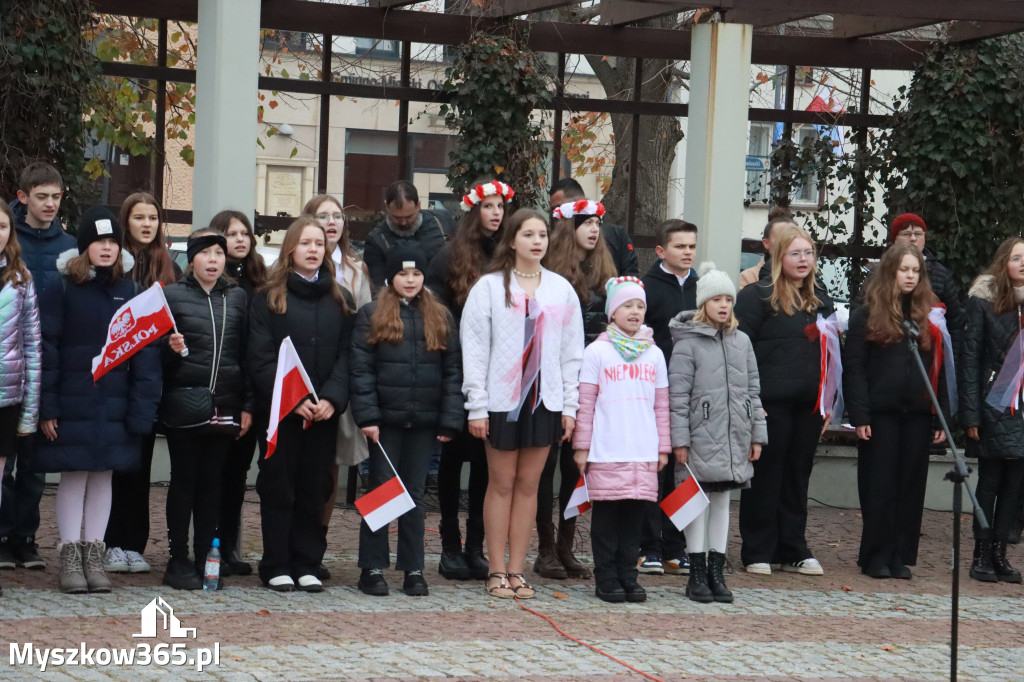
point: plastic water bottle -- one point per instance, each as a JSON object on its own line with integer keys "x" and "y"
{"x": 211, "y": 575}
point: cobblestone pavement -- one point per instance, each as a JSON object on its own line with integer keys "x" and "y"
{"x": 786, "y": 626}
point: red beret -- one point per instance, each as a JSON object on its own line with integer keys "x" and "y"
{"x": 903, "y": 221}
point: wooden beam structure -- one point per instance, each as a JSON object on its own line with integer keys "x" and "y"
{"x": 622, "y": 12}
{"x": 848, "y": 26}
{"x": 964, "y": 31}
{"x": 512, "y": 8}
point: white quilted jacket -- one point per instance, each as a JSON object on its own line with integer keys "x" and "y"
{"x": 492, "y": 345}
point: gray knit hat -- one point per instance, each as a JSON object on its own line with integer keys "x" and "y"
{"x": 712, "y": 282}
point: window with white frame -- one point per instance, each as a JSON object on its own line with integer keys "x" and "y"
{"x": 762, "y": 140}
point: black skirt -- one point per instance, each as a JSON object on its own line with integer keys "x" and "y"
{"x": 540, "y": 428}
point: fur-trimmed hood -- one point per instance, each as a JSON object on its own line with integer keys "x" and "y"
{"x": 982, "y": 287}
{"x": 127, "y": 262}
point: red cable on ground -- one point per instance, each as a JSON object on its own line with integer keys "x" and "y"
{"x": 589, "y": 646}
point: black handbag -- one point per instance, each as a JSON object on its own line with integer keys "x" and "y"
{"x": 190, "y": 407}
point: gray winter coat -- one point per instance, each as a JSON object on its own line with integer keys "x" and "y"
{"x": 715, "y": 405}
{"x": 20, "y": 352}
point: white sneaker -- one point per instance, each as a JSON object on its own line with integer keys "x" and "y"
{"x": 136, "y": 564}
{"x": 310, "y": 583}
{"x": 759, "y": 568}
{"x": 116, "y": 561}
{"x": 805, "y": 567}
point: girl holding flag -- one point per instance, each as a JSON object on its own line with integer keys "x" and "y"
{"x": 406, "y": 394}
{"x": 90, "y": 427}
{"x": 212, "y": 319}
{"x": 522, "y": 345}
{"x": 888, "y": 402}
{"x": 718, "y": 426}
{"x": 623, "y": 381}
{"x": 991, "y": 369}
{"x": 301, "y": 301}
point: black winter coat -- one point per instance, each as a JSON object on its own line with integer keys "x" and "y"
{"x": 406, "y": 385}
{"x": 621, "y": 248}
{"x": 99, "y": 424}
{"x": 200, "y": 318}
{"x": 435, "y": 230}
{"x": 236, "y": 272}
{"x": 320, "y": 330}
{"x": 883, "y": 378}
{"x": 665, "y": 300}
{"x": 988, "y": 339}
{"x": 945, "y": 287}
{"x": 788, "y": 361}
{"x": 40, "y": 248}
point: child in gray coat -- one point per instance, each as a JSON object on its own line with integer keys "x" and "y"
{"x": 718, "y": 426}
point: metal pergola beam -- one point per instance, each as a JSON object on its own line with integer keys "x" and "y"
{"x": 963, "y": 31}
{"x": 847, "y": 26}
{"x": 763, "y": 18}
{"x": 515, "y": 8}
{"x": 931, "y": 12}
{"x": 620, "y": 12}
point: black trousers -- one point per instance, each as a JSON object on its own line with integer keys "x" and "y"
{"x": 998, "y": 490}
{"x": 293, "y": 485}
{"x": 613, "y": 532}
{"x": 19, "y": 509}
{"x": 194, "y": 493}
{"x": 237, "y": 461}
{"x": 129, "y": 503}
{"x": 410, "y": 451}
{"x": 892, "y": 473}
{"x": 658, "y": 535}
{"x": 560, "y": 455}
{"x": 773, "y": 511}
{"x": 461, "y": 449}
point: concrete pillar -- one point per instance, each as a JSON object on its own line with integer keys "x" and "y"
{"x": 716, "y": 147}
{"x": 227, "y": 79}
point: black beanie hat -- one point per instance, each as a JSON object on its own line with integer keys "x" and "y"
{"x": 95, "y": 224}
{"x": 404, "y": 256}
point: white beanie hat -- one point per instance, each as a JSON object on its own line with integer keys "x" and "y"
{"x": 712, "y": 282}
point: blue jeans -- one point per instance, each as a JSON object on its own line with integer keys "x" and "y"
{"x": 19, "y": 508}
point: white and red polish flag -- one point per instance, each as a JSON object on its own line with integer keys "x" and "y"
{"x": 291, "y": 386}
{"x": 135, "y": 325}
{"x": 579, "y": 501}
{"x": 386, "y": 502}
{"x": 685, "y": 503}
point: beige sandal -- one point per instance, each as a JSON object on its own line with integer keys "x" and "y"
{"x": 523, "y": 590}
{"x": 502, "y": 590}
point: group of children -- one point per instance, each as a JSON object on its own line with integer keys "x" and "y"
{"x": 485, "y": 345}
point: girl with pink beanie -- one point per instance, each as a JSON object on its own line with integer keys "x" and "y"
{"x": 622, "y": 436}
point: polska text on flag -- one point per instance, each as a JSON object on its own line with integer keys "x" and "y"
{"x": 135, "y": 325}
{"x": 579, "y": 501}
{"x": 291, "y": 386}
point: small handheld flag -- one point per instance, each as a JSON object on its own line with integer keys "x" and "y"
{"x": 386, "y": 502}
{"x": 685, "y": 503}
{"x": 135, "y": 325}
{"x": 579, "y": 501}
{"x": 291, "y": 386}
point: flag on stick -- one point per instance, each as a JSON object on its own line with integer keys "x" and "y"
{"x": 291, "y": 386}
{"x": 386, "y": 502}
{"x": 685, "y": 503}
{"x": 135, "y": 325}
{"x": 579, "y": 501}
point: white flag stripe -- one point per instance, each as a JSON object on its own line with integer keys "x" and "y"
{"x": 689, "y": 511}
{"x": 390, "y": 510}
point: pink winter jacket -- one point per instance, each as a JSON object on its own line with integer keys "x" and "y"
{"x": 607, "y": 481}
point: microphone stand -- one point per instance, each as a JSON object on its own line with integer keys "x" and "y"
{"x": 958, "y": 475}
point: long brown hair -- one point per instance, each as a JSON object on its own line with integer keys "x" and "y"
{"x": 255, "y": 268}
{"x": 504, "y": 257}
{"x": 349, "y": 256}
{"x": 276, "y": 285}
{"x": 152, "y": 260}
{"x": 468, "y": 255}
{"x": 386, "y": 323}
{"x": 787, "y": 298}
{"x": 885, "y": 302}
{"x": 1002, "y": 287}
{"x": 15, "y": 272}
{"x": 587, "y": 271}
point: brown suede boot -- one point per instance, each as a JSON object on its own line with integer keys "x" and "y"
{"x": 548, "y": 564}
{"x": 566, "y": 536}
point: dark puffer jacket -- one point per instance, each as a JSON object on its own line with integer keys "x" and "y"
{"x": 788, "y": 360}
{"x": 883, "y": 378}
{"x": 200, "y": 318}
{"x": 945, "y": 287}
{"x": 435, "y": 230}
{"x": 621, "y": 248}
{"x": 665, "y": 300}
{"x": 321, "y": 332}
{"x": 987, "y": 340}
{"x": 405, "y": 384}
{"x": 99, "y": 424}
{"x": 40, "y": 248}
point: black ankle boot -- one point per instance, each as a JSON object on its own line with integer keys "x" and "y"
{"x": 182, "y": 575}
{"x": 716, "y": 579}
{"x": 453, "y": 564}
{"x": 474, "y": 551}
{"x": 981, "y": 567}
{"x": 697, "y": 588}
{"x": 1004, "y": 571}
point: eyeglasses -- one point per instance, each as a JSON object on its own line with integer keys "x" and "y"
{"x": 912, "y": 234}
{"x": 797, "y": 255}
{"x": 1017, "y": 260}
{"x": 323, "y": 217}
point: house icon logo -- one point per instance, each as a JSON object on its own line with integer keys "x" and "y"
{"x": 158, "y": 615}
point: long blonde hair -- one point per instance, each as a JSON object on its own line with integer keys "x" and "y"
{"x": 277, "y": 281}
{"x": 787, "y": 298}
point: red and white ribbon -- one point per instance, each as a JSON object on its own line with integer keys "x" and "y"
{"x": 488, "y": 189}
{"x": 574, "y": 208}
{"x": 942, "y": 353}
{"x": 830, "y": 403}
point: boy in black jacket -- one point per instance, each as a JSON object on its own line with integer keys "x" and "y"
{"x": 671, "y": 286}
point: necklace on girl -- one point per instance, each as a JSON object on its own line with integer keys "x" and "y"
{"x": 526, "y": 274}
